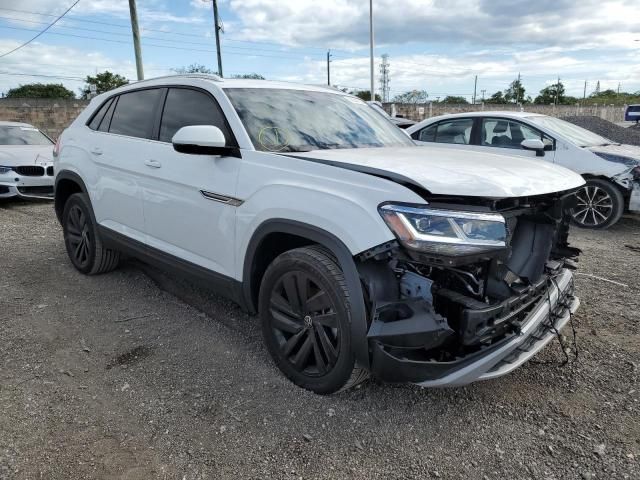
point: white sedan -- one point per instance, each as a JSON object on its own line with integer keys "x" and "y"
{"x": 26, "y": 166}
{"x": 612, "y": 170}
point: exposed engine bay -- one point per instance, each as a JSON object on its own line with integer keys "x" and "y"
{"x": 440, "y": 309}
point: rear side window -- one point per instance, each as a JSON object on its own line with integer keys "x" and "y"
{"x": 448, "y": 131}
{"x": 106, "y": 120}
{"x": 185, "y": 107}
{"x": 97, "y": 118}
{"x": 133, "y": 114}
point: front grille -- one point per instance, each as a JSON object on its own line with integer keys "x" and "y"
{"x": 4, "y": 189}
{"x": 50, "y": 171}
{"x": 41, "y": 191}
{"x": 30, "y": 171}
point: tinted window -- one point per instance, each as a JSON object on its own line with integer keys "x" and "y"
{"x": 97, "y": 118}
{"x": 448, "y": 131}
{"x": 106, "y": 120}
{"x": 504, "y": 133}
{"x": 22, "y": 135}
{"x": 185, "y": 107}
{"x": 133, "y": 115}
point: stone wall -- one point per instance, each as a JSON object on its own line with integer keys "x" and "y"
{"x": 419, "y": 112}
{"x": 49, "y": 115}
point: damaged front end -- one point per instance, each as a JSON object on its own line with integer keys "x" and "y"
{"x": 472, "y": 288}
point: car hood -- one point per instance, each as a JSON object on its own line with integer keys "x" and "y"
{"x": 17, "y": 155}
{"x": 625, "y": 155}
{"x": 446, "y": 171}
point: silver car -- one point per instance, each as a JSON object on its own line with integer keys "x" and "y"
{"x": 26, "y": 166}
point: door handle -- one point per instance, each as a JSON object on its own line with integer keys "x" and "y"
{"x": 152, "y": 163}
{"x": 96, "y": 151}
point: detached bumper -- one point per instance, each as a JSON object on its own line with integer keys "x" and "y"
{"x": 536, "y": 331}
{"x": 13, "y": 184}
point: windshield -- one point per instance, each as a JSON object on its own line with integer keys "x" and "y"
{"x": 577, "y": 135}
{"x": 281, "y": 120}
{"x": 16, "y": 135}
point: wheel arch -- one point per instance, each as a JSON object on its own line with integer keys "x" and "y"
{"x": 276, "y": 236}
{"x": 67, "y": 183}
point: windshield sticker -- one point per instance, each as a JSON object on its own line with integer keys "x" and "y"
{"x": 274, "y": 139}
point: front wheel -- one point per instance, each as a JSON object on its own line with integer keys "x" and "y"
{"x": 599, "y": 205}
{"x": 306, "y": 320}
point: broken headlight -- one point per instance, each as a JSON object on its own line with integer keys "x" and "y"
{"x": 445, "y": 232}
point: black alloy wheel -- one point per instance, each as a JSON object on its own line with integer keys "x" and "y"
{"x": 306, "y": 320}
{"x": 79, "y": 237}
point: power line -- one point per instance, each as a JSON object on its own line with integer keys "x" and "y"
{"x": 41, "y": 32}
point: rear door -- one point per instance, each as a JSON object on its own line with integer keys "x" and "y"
{"x": 123, "y": 127}
{"x": 189, "y": 199}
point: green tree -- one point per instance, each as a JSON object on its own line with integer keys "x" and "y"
{"x": 365, "y": 95}
{"x": 515, "y": 93}
{"x": 551, "y": 94}
{"x": 496, "y": 98}
{"x": 412, "y": 96}
{"x": 194, "y": 68}
{"x": 251, "y": 76}
{"x": 40, "y": 90}
{"x": 104, "y": 82}
{"x": 454, "y": 99}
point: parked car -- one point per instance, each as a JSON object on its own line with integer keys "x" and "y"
{"x": 400, "y": 122}
{"x": 632, "y": 113}
{"x": 360, "y": 251}
{"x": 26, "y": 165}
{"x": 611, "y": 170}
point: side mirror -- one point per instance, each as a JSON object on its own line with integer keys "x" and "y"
{"x": 202, "y": 140}
{"x": 534, "y": 144}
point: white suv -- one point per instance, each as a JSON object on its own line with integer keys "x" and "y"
{"x": 360, "y": 251}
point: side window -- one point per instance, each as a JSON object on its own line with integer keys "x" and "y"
{"x": 504, "y": 133}
{"x": 448, "y": 131}
{"x": 97, "y": 118}
{"x": 428, "y": 134}
{"x": 106, "y": 121}
{"x": 185, "y": 107}
{"x": 133, "y": 114}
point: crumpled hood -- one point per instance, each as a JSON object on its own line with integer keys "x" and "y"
{"x": 447, "y": 171}
{"x": 16, "y": 155}
{"x": 625, "y": 155}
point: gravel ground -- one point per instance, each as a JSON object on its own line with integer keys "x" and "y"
{"x": 630, "y": 136}
{"x": 115, "y": 377}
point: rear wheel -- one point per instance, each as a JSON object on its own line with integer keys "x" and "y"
{"x": 600, "y": 205}
{"x": 82, "y": 240}
{"x": 306, "y": 320}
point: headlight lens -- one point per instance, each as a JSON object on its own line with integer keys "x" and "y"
{"x": 5, "y": 169}
{"x": 445, "y": 232}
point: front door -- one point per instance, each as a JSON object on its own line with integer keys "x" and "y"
{"x": 503, "y": 135}
{"x": 189, "y": 204}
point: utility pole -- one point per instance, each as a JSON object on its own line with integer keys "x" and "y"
{"x": 584, "y": 94}
{"x": 384, "y": 78}
{"x": 518, "y": 90}
{"x": 483, "y": 95}
{"x": 475, "y": 84}
{"x": 216, "y": 28}
{"x": 373, "y": 94}
{"x": 136, "y": 38}
{"x": 328, "y": 67}
{"x": 557, "y": 91}
{"x": 618, "y": 88}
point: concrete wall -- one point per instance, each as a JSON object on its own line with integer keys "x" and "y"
{"x": 49, "y": 115}
{"x": 419, "y": 112}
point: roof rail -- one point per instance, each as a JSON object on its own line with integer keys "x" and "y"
{"x": 207, "y": 76}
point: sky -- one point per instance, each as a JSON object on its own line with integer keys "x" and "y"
{"x": 434, "y": 45}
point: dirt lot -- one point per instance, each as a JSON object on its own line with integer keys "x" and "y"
{"x": 115, "y": 377}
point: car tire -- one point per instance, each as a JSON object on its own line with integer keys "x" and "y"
{"x": 82, "y": 240}
{"x": 600, "y": 205}
{"x": 306, "y": 320}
